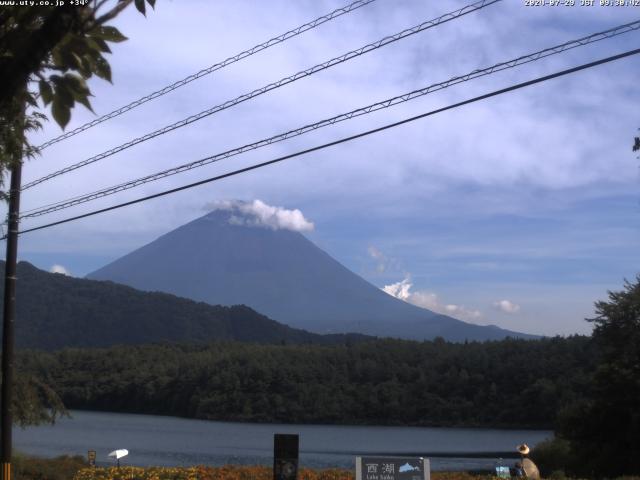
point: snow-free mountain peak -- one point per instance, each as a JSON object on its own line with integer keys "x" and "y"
{"x": 253, "y": 254}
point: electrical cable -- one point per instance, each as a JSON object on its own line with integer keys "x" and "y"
{"x": 340, "y": 141}
{"x": 235, "y": 58}
{"x": 63, "y": 204}
{"x": 272, "y": 86}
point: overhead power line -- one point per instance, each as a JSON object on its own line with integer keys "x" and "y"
{"x": 235, "y": 58}
{"x": 45, "y": 209}
{"x": 342, "y": 140}
{"x": 272, "y": 86}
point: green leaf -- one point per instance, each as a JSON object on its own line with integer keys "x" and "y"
{"x": 58, "y": 61}
{"x": 63, "y": 94}
{"x": 140, "y": 6}
{"x": 84, "y": 68}
{"x": 78, "y": 89}
{"x": 55, "y": 79}
{"x": 76, "y": 84}
{"x": 61, "y": 112}
{"x": 31, "y": 124}
{"x": 152, "y": 3}
{"x": 63, "y": 57}
{"x": 104, "y": 47}
{"x": 87, "y": 66}
{"x": 30, "y": 100}
{"x": 84, "y": 100}
{"x": 76, "y": 60}
{"x": 46, "y": 92}
{"x": 98, "y": 44}
{"x": 102, "y": 69}
{"x": 108, "y": 33}
{"x": 60, "y": 58}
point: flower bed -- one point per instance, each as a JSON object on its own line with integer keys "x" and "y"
{"x": 229, "y": 473}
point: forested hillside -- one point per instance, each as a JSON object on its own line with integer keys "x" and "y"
{"x": 56, "y": 311}
{"x": 509, "y": 383}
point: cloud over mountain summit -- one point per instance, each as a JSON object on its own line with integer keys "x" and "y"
{"x": 259, "y": 214}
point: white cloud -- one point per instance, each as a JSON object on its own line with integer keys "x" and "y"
{"x": 59, "y": 269}
{"x": 381, "y": 259}
{"x": 459, "y": 311}
{"x": 399, "y": 290}
{"x": 384, "y": 263}
{"x": 506, "y": 306}
{"x": 259, "y": 214}
{"x": 429, "y": 300}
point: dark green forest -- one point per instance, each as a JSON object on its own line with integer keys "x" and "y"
{"x": 509, "y": 383}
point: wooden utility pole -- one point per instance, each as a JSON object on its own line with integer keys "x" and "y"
{"x": 9, "y": 316}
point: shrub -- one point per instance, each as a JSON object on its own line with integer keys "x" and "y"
{"x": 553, "y": 457}
{"x": 34, "y": 468}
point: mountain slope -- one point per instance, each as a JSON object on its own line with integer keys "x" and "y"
{"x": 56, "y": 311}
{"x": 219, "y": 260}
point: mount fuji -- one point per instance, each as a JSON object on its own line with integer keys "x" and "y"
{"x": 234, "y": 256}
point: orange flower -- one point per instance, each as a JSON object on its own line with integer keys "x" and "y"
{"x": 231, "y": 472}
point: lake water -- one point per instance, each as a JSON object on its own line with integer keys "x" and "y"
{"x": 170, "y": 441}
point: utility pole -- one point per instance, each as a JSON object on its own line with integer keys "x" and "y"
{"x": 9, "y": 316}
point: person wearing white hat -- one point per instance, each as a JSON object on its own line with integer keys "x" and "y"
{"x": 530, "y": 469}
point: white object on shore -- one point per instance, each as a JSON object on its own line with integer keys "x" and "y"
{"x": 118, "y": 454}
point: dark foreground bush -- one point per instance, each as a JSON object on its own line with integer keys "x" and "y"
{"x": 553, "y": 457}
{"x": 34, "y": 468}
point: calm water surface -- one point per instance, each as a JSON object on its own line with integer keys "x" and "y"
{"x": 170, "y": 441}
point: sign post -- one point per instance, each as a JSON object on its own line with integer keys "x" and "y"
{"x": 393, "y": 468}
{"x": 285, "y": 456}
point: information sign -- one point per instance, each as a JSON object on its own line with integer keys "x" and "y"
{"x": 393, "y": 468}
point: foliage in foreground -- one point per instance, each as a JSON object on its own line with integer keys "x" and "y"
{"x": 231, "y": 473}
{"x": 35, "y": 468}
{"x": 57, "y": 47}
{"x": 554, "y": 458}
{"x": 603, "y": 429}
{"x": 34, "y": 402}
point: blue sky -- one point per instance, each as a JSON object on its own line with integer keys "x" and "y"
{"x": 519, "y": 211}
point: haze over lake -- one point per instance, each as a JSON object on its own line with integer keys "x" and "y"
{"x": 170, "y": 441}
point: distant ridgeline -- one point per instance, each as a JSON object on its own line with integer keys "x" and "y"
{"x": 56, "y": 311}
{"x": 508, "y": 383}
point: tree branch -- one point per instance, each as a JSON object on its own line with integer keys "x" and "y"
{"x": 113, "y": 13}
{"x": 98, "y": 4}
